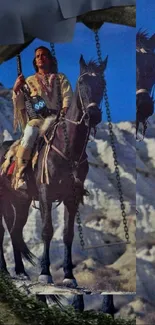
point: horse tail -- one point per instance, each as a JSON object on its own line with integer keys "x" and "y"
{"x": 16, "y": 233}
{"x": 12, "y": 201}
{"x": 19, "y": 244}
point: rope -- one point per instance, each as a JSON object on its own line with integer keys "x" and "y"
{"x": 44, "y": 168}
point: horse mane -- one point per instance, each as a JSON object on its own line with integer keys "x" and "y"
{"x": 142, "y": 36}
{"x": 94, "y": 66}
{"x": 144, "y": 43}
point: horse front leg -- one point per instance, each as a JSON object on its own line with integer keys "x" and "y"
{"x": 108, "y": 305}
{"x": 137, "y": 128}
{"x": 78, "y": 303}
{"x": 47, "y": 233}
{"x": 144, "y": 128}
{"x": 69, "y": 218}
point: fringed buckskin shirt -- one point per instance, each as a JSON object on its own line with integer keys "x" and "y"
{"x": 20, "y": 116}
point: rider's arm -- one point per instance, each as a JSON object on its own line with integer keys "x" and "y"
{"x": 66, "y": 92}
{"x": 20, "y": 115}
{"x": 19, "y": 110}
{"x": 18, "y": 100}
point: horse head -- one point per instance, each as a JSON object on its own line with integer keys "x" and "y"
{"x": 91, "y": 86}
{"x": 145, "y": 76}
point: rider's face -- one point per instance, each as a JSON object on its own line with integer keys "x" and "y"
{"x": 42, "y": 59}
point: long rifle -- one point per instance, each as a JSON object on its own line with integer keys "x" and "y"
{"x": 28, "y": 104}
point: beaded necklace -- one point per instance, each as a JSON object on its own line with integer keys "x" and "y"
{"x": 46, "y": 84}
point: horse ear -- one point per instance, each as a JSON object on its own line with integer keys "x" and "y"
{"x": 83, "y": 65}
{"x": 103, "y": 65}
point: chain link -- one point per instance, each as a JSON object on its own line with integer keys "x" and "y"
{"x": 26, "y": 91}
{"x": 68, "y": 153}
{"x": 110, "y": 126}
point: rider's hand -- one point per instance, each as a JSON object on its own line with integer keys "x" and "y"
{"x": 20, "y": 81}
{"x": 62, "y": 114}
{"x": 64, "y": 110}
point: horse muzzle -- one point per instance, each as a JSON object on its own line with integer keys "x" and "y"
{"x": 95, "y": 114}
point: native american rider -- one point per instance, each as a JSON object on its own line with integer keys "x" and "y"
{"x": 44, "y": 84}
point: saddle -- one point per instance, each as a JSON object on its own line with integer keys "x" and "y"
{"x": 9, "y": 158}
{"x": 8, "y": 161}
{"x": 8, "y": 166}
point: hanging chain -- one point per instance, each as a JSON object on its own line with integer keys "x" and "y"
{"x": 117, "y": 172}
{"x": 26, "y": 91}
{"x": 68, "y": 153}
{"x": 53, "y": 50}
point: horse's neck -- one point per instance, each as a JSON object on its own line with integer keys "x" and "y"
{"x": 145, "y": 72}
{"x": 145, "y": 83}
{"x": 74, "y": 112}
{"x": 77, "y": 134}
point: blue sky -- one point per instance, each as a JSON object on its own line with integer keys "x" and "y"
{"x": 145, "y": 15}
{"x": 118, "y": 42}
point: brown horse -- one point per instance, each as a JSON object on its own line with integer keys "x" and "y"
{"x": 64, "y": 156}
{"x": 67, "y": 171}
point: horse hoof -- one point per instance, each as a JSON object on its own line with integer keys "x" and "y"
{"x": 45, "y": 279}
{"x": 71, "y": 283}
{"x": 22, "y": 277}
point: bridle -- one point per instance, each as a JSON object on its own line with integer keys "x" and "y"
{"x": 142, "y": 91}
{"x": 81, "y": 100}
{"x": 85, "y": 115}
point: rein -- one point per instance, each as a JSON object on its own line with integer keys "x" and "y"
{"x": 76, "y": 122}
{"x": 82, "y": 104}
{"x": 83, "y": 116}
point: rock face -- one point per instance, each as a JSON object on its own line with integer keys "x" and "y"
{"x": 145, "y": 189}
{"x": 6, "y": 115}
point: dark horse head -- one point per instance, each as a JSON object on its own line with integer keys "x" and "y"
{"x": 90, "y": 88}
{"x": 145, "y": 73}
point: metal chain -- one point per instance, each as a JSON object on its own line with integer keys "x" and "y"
{"x": 26, "y": 91}
{"x": 71, "y": 166}
{"x": 117, "y": 172}
{"x": 67, "y": 149}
